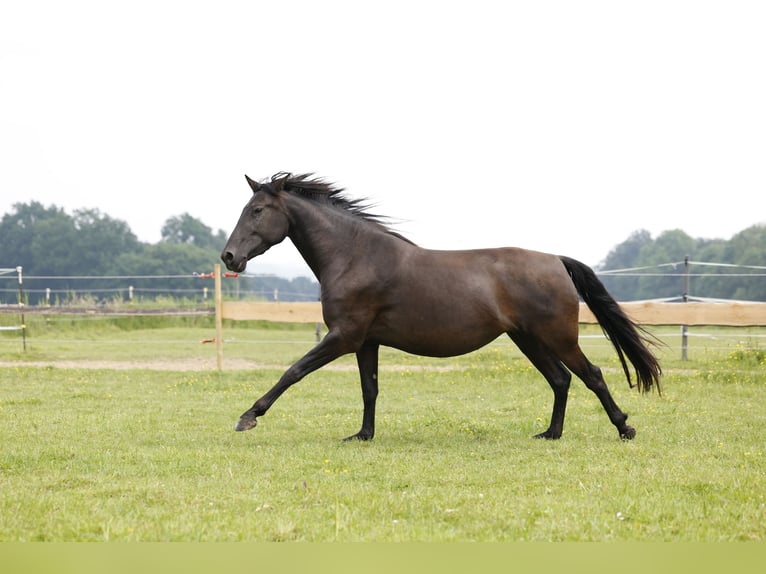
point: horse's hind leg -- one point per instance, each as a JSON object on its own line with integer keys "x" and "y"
{"x": 593, "y": 378}
{"x": 555, "y": 373}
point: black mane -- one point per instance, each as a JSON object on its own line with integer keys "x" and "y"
{"x": 321, "y": 191}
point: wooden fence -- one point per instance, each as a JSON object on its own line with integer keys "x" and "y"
{"x": 645, "y": 313}
{"x": 729, "y": 314}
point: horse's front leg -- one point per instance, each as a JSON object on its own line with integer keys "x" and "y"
{"x": 330, "y": 348}
{"x": 367, "y": 359}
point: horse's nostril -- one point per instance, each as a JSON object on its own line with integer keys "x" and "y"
{"x": 227, "y": 257}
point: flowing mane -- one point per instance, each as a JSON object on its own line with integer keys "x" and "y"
{"x": 326, "y": 193}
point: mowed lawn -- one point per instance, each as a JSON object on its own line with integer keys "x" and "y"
{"x": 150, "y": 454}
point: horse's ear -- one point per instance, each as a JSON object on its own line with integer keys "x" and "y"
{"x": 253, "y": 184}
{"x": 279, "y": 181}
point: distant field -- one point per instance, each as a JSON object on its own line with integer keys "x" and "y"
{"x": 121, "y": 430}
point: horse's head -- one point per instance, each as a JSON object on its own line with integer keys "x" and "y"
{"x": 263, "y": 223}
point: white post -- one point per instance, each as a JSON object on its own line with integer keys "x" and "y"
{"x": 19, "y": 270}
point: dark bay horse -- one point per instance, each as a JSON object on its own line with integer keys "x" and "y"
{"x": 379, "y": 288}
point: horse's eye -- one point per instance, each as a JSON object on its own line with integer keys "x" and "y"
{"x": 257, "y": 210}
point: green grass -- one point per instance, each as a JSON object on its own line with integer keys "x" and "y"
{"x": 149, "y": 455}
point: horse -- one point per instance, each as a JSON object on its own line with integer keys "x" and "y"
{"x": 379, "y": 288}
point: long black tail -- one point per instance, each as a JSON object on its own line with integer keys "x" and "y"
{"x": 628, "y": 338}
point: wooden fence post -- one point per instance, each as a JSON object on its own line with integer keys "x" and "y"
{"x": 218, "y": 317}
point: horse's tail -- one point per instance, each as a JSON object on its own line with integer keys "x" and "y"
{"x": 628, "y": 338}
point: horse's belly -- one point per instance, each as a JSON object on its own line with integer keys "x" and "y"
{"x": 445, "y": 348}
{"x": 435, "y": 340}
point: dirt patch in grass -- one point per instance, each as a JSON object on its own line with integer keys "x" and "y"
{"x": 205, "y": 364}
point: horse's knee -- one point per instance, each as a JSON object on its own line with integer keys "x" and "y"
{"x": 594, "y": 379}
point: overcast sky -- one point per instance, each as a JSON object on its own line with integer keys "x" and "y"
{"x": 560, "y": 126}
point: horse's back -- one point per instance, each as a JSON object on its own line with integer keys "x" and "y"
{"x": 519, "y": 276}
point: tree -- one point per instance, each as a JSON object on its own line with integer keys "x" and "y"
{"x": 112, "y": 236}
{"x": 48, "y": 241}
{"x": 164, "y": 259}
{"x": 747, "y": 248}
{"x": 625, "y": 256}
{"x": 669, "y": 247}
{"x": 190, "y": 230}
{"x": 627, "y": 253}
{"x": 18, "y": 230}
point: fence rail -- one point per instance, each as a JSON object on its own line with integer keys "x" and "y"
{"x": 729, "y": 314}
{"x": 296, "y": 312}
{"x": 734, "y": 314}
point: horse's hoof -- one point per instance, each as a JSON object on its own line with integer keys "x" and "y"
{"x": 548, "y": 435}
{"x": 627, "y": 433}
{"x": 246, "y": 422}
{"x": 358, "y": 436}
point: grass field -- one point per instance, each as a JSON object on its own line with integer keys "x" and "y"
{"x": 97, "y": 450}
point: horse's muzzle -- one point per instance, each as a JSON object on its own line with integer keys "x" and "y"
{"x": 236, "y": 264}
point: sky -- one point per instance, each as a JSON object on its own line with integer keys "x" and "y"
{"x": 558, "y": 126}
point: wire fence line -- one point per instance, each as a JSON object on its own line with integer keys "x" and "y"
{"x": 68, "y": 289}
{"x": 197, "y": 275}
{"x": 192, "y": 287}
{"x": 677, "y": 264}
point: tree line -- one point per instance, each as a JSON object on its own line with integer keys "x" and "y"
{"x": 738, "y": 278}
{"x": 49, "y": 242}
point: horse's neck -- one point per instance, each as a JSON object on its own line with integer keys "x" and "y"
{"x": 320, "y": 234}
